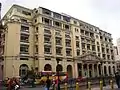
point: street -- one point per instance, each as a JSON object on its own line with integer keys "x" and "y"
{"x": 83, "y": 88}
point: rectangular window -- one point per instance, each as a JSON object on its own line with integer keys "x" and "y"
{"x": 47, "y": 50}
{"x": 24, "y": 28}
{"x": 26, "y": 13}
{"x": 56, "y": 15}
{"x": 77, "y": 44}
{"x": 24, "y": 38}
{"x": 46, "y": 11}
{"x": 24, "y": 58}
{"x": 24, "y": 49}
{"x": 58, "y": 50}
{"x": 68, "y": 52}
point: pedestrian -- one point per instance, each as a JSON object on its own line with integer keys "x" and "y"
{"x": 11, "y": 84}
{"x": 117, "y": 77}
{"x": 48, "y": 83}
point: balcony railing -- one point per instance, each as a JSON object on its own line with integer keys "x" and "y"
{"x": 25, "y": 41}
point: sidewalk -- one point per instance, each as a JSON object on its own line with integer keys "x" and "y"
{"x": 108, "y": 87}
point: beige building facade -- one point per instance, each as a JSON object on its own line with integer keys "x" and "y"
{"x": 39, "y": 38}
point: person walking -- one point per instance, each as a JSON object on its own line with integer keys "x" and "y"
{"x": 117, "y": 77}
{"x": 48, "y": 83}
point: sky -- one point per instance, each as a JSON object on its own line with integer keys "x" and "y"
{"x": 104, "y": 14}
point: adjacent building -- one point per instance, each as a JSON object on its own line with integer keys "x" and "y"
{"x": 39, "y": 38}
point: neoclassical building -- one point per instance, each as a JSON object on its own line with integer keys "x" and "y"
{"x": 39, "y": 38}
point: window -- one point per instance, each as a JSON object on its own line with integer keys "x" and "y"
{"x": 46, "y": 11}
{"x": 107, "y": 50}
{"x": 68, "y": 52}
{"x": 47, "y": 58}
{"x": 58, "y": 41}
{"x": 47, "y": 31}
{"x": 67, "y": 36}
{"x": 24, "y": 28}
{"x": 56, "y": 15}
{"x": 24, "y": 58}
{"x": 103, "y": 50}
{"x": 88, "y": 46}
{"x": 97, "y": 43}
{"x": 83, "y": 46}
{"x": 67, "y": 19}
{"x": 47, "y": 50}
{"x": 86, "y": 33}
{"x": 105, "y": 39}
{"x": 24, "y": 49}
{"x": 93, "y": 47}
{"x": 77, "y": 44}
{"x": 35, "y": 20}
{"x": 58, "y": 33}
{"x": 26, "y": 13}
{"x": 36, "y": 48}
{"x": 58, "y": 24}
{"x": 82, "y": 31}
{"x": 66, "y": 26}
{"x": 78, "y": 52}
{"x": 110, "y": 40}
{"x": 36, "y": 30}
{"x": 98, "y": 48}
{"x": 77, "y": 37}
{"x": 58, "y": 50}
{"x": 104, "y": 56}
{"x": 76, "y": 30}
{"x": 108, "y": 57}
{"x": 24, "y": 38}
{"x": 47, "y": 39}
{"x": 47, "y": 21}
{"x": 68, "y": 43}
{"x": 75, "y": 22}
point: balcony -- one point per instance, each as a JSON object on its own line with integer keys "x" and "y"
{"x": 24, "y": 53}
{"x": 24, "y": 41}
{"x": 47, "y": 42}
{"x": 47, "y": 32}
{"x": 48, "y": 53}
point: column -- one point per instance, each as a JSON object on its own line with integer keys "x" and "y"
{"x": 97, "y": 71}
{"x": 82, "y": 70}
{"x": 88, "y": 70}
{"x": 93, "y": 71}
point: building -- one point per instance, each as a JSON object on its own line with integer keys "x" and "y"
{"x": 39, "y": 38}
{"x": 117, "y": 54}
{"x": 118, "y": 45}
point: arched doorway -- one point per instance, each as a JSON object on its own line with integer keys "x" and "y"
{"x": 90, "y": 70}
{"x": 109, "y": 68}
{"x": 95, "y": 70}
{"x": 79, "y": 66}
{"x": 105, "y": 70}
{"x": 69, "y": 71}
{"x": 85, "y": 70}
{"x": 47, "y": 67}
{"x": 99, "y": 68}
{"x": 114, "y": 69}
{"x": 59, "y": 67}
{"x": 23, "y": 70}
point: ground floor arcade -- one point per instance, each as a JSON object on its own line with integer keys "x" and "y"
{"x": 85, "y": 66}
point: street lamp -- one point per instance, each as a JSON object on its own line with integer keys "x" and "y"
{"x": 102, "y": 76}
{"x": 58, "y": 87}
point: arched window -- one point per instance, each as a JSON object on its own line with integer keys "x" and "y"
{"x": 47, "y": 67}
{"x": 59, "y": 67}
{"x": 23, "y": 70}
{"x": 69, "y": 71}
